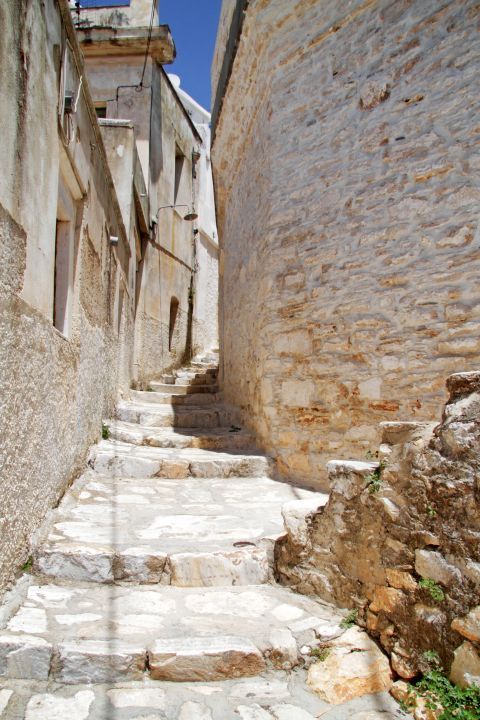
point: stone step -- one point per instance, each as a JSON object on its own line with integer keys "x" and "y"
{"x": 151, "y": 415}
{"x": 192, "y": 532}
{"x": 118, "y": 459}
{"x": 194, "y": 378}
{"x": 172, "y": 398}
{"x": 84, "y": 633}
{"x": 214, "y": 439}
{"x": 275, "y": 696}
{"x": 179, "y": 389}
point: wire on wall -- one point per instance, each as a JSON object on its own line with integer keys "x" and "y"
{"x": 150, "y": 30}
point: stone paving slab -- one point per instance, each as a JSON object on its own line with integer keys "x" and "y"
{"x": 84, "y": 632}
{"x": 118, "y": 459}
{"x": 214, "y": 439}
{"x": 279, "y": 697}
{"x": 193, "y": 531}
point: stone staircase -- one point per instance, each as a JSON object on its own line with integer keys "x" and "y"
{"x": 158, "y": 565}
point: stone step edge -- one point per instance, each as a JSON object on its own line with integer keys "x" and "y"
{"x": 252, "y": 565}
{"x": 144, "y": 397}
{"x": 200, "y": 658}
{"x": 163, "y": 437}
{"x": 242, "y": 465}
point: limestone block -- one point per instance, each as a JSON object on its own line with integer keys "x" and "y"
{"x": 248, "y": 566}
{"x": 469, "y": 626}
{"x": 297, "y": 393}
{"x": 194, "y": 711}
{"x": 136, "y": 565}
{"x": 98, "y": 661}
{"x": 274, "y": 689}
{"x": 5, "y": 696}
{"x": 203, "y": 658}
{"x": 253, "y": 712}
{"x": 29, "y": 620}
{"x": 429, "y": 615}
{"x": 400, "y": 579}
{"x": 74, "y": 562}
{"x": 284, "y": 652}
{"x": 25, "y": 657}
{"x": 55, "y": 707}
{"x": 402, "y": 665}
{"x": 290, "y": 712}
{"x": 297, "y": 342}
{"x": 295, "y": 516}
{"x": 465, "y": 668}
{"x": 347, "y": 477}
{"x": 387, "y": 599}
{"x": 144, "y": 697}
{"x": 354, "y": 667}
{"x": 123, "y": 466}
{"x": 461, "y": 384}
{"x": 431, "y": 564}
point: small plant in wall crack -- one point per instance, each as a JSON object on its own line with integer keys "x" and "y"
{"x": 320, "y": 653}
{"x": 373, "y": 480}
{"x": 105, "y": 431}
{"x": 434, "y": 589}
{"x": 443, "y": 698}
{"x": 432, "y": 659}
{"x": 27, "y": 566}
{"x": 350, "y": 619}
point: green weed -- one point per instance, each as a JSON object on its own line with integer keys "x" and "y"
{"x": 436, "y": 592}
{"x": 350, "y": 619}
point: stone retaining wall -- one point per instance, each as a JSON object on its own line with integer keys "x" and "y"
{"x": 345, "y": 163}
{"x": 400, "y": 541}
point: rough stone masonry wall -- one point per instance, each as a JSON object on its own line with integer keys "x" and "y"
{"x": 370, "y": 546}
{"x": 346, "y": 167}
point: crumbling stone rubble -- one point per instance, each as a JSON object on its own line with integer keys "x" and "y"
{"x": 399, "y": 539}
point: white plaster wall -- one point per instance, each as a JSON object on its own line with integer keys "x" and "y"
{"x": 54, "y": 391}
{"x": 137, "y": 14}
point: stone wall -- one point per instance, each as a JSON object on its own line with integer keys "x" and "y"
{"x": 55, "y": 387}
{"x": 345, "y": 164}
{"x": 400, "y": 541}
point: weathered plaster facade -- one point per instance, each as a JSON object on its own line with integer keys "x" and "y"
{"x": 206, "y": 251}
{"x": 345, "y": 159}
{"x": 58, "y": 211}
{"x": 176, "y": 313}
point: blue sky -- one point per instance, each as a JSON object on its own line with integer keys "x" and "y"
{"x": 194, "y": 26}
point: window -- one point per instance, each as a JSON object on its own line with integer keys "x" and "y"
{"x": 179, "y": 164}
{"x": 101, "y": 110}
{"x": 63, "y": 272}
{"x": 173, "y": 319}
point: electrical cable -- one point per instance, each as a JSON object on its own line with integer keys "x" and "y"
{"x": 150, "y": 30}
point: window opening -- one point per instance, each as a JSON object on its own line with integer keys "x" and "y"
{"x": 179, "y": 163}
{"x": 173, "y": 319}
{"x": 101, "y": 110}
{"x": 63, "y": 268}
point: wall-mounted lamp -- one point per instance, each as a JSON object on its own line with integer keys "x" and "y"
{"x": 190, "y": 216}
